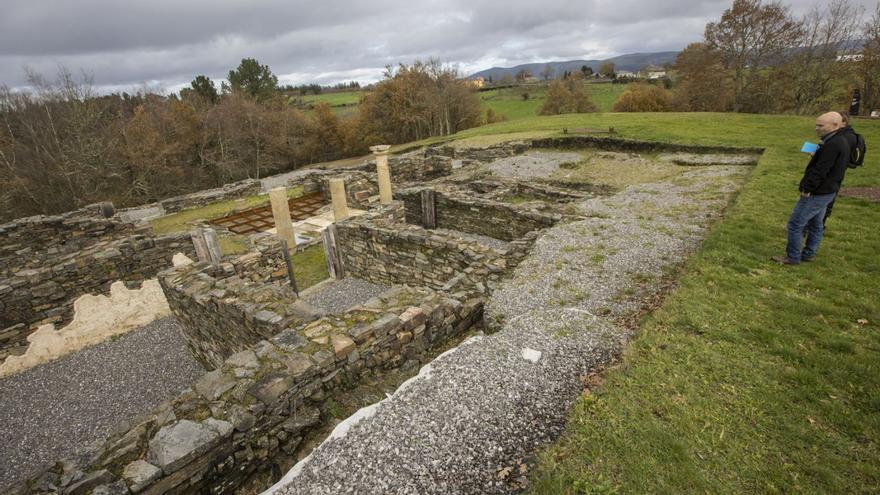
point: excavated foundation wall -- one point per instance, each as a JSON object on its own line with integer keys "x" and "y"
{"x": 477, "y": 216}
{"x": 222, "y": 312}
{"x": 46, "y": 263}
{"x": 247, "y": 419}
{"x": 392, "y": 252}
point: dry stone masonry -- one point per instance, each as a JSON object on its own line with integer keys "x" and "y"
{"x": 47, "y": 262}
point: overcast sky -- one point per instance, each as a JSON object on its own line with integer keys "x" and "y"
{"x": 165, "y": 43}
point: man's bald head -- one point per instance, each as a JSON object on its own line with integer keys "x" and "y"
{"x": 827, "y": 123}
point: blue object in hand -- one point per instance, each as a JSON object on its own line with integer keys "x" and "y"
{"x": 809, "y": 147}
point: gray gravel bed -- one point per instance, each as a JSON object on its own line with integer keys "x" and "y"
{"x": 482, "y": 239}
{"x": 340, "y": 295}
{"x": 709, "y": 158}
{"x": 535, "y": 164}
{"x": 475, "y": 413}
{"x": 54, "y": 411}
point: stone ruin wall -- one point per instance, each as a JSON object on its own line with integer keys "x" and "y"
{"x": 235, "y": 190}
{"x": 247, "y": 419}
{"x": 46, "y": 263}
{"x": 222, "y": 310}
{"x": 631, "y": 145}
{"x": 476, "y": 215}
{"x": 375, "y": 249}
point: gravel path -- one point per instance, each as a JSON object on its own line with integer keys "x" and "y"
{"x": 340, "y": 295}
{"x": 56, "y": 410}
{"x": 466, "y": 424}
{"x": 535, "y": 164}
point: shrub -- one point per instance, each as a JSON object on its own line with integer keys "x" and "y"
{"x": 567, "y": 96}
{"x": 641, "y": 97}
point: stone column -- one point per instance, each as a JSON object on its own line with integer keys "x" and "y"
{"x": 337, "y": 196}
{"x": 281, "y": 215}
{"x": 381, "y": 152}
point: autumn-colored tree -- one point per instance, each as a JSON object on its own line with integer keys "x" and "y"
{"x": 607, "y": 70}
{"x": 420, "y": 100}
{"x": 324, "y": 141}
{"x": 752, "y": 36}
{"x": 812, "y": 71}
{"x": 492, "y": 116}
{"x": 567, "y": 96}
{"x": 643, "y": 97}
{"x": 868, "y": 68}
{"x": 702, "y": 82}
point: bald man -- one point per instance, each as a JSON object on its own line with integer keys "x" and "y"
{"x": 818, "y": 188}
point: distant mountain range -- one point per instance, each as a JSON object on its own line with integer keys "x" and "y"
{"x": 631, "y": 62}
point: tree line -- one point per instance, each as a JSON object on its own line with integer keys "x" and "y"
{"x": 63, "y": 146}
{"x": 759, "y": 58}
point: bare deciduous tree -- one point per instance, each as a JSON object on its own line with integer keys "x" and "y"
{"x": 752, "y": 36}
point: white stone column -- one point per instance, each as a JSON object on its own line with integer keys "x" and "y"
{"x": 382, "y": 171}
{"x": 337, "y": 196}
{"x": 281, "y": 215}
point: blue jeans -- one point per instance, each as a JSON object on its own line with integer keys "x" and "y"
{"x": 807, "y": 217}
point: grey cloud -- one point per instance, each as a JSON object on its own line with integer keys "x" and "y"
{"x": 172, "y": 41}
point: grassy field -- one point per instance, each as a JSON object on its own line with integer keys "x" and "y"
{"x": 752, "y": 377}
{"x": 342, "y": 104}
{"x": 335, "y": 99}
{"x": 510, "y": 102}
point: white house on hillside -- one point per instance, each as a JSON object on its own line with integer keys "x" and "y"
{"x": 654, "y": 72}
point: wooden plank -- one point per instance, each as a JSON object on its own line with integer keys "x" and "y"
{"x": 331, "y": 253}
{"x": 213, "y": 243}
{"x": 429, "y": 217}
{"x": 198, "y": 241}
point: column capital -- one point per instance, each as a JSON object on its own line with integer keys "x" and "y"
{"x": 380, "y": 149}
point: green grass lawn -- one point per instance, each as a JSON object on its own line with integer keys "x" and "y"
{"x": 334, "y": 99}
{"x": 309, "y": 266}
{"x": 752, "y": 377}
{"x": 510, "y": 102}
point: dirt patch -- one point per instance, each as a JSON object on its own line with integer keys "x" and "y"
{"x": 871, "y": 193}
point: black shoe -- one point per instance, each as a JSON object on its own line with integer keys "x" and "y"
{"x": 784, "y": 260}
{"x": 808, "y": 258}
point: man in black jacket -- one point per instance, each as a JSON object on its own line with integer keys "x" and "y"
{"x": 850, "y": 135}
{"x": 818, "y": 188}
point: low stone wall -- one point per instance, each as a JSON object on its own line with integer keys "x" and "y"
{"x": 235, "y": 190}
{"x": 375, "y": 249}
{"x": 418, "y": 167}
{"x": 487, "y": 154}
{"x": 240, "y": 189}
{"x": 620, "y": 144}
{"x": 359, "y": 187}
{"x": 476, "y": 215}
{"x": 46, "y": 293}
{"x": 227, "y": 309}
{"x": 246, "y": 420}
{"x": 26, "y": 242}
